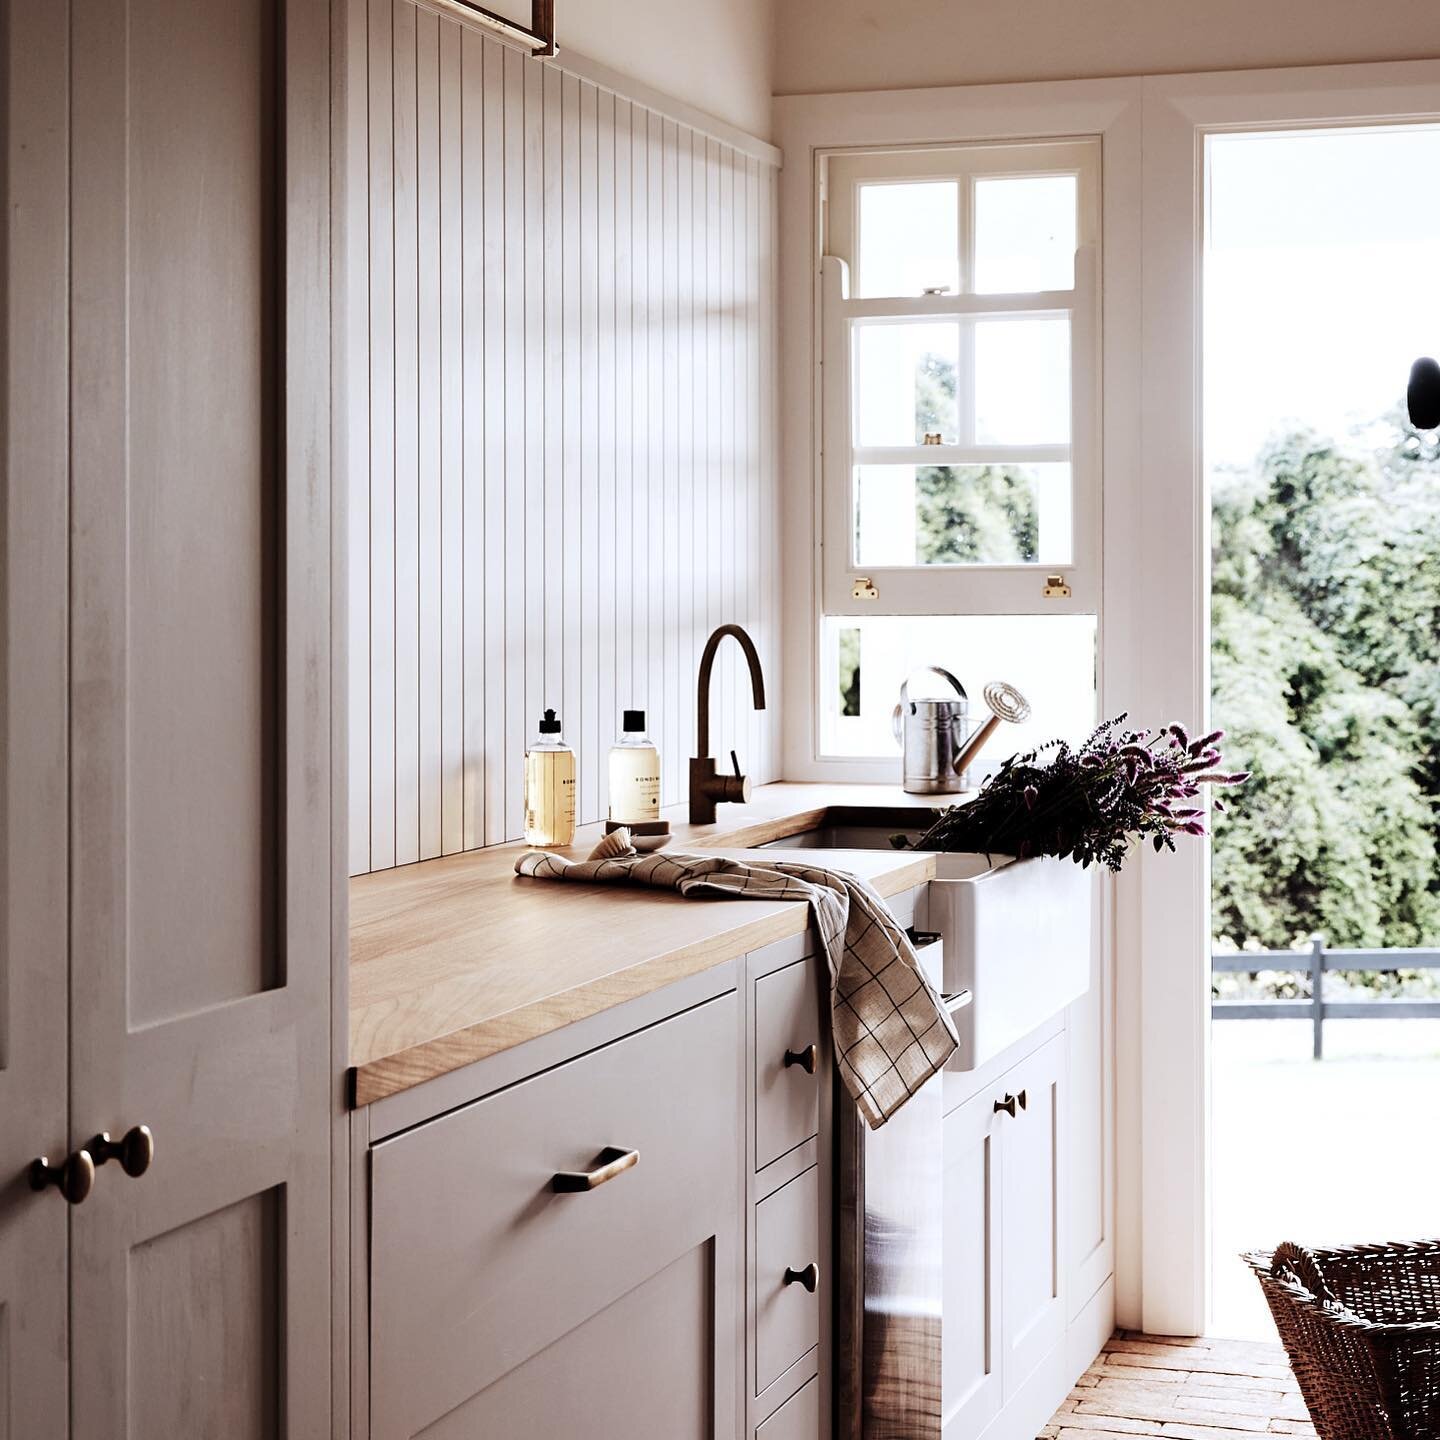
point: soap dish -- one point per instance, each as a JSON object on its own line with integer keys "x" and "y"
{"x": 645, "y": 835}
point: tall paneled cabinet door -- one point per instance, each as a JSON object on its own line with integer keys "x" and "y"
{"x": 191, "y": 144}
{"x": 1032, "y": 1192}
{"x": 971, "y": 1378}
{"x": 1004, "y": 1198}
{"x": 34, "y": 1298}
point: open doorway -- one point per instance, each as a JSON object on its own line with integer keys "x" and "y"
{"x": 1321, "y": 284}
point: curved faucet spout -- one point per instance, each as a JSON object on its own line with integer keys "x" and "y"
{"x": 707, "y": 663}
{"x": 707, "y": 788}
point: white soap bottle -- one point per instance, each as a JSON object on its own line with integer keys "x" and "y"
{"x": 634, "y": 773}
{"x": 549, "y": 787}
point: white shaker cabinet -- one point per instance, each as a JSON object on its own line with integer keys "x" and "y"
{"x": 1032, "y": 1121}
{"x": 695, "y": 1278}
{"x": 1004, "y": 1293}
{"x": 559, "y": 1256}
{"x": 620, "y": 1228}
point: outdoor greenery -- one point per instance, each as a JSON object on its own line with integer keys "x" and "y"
{"x": 1325, "y": 670}
{"x": 971, "y": 513}
{"x": 1326, "y": 679}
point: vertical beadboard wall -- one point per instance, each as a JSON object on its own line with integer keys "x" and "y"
{"x": 563, "y": 434}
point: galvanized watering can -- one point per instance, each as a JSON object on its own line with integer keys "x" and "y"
{"x": 938, "y": 739}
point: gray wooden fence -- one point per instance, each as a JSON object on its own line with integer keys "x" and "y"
{"x": 1315, "y": 961}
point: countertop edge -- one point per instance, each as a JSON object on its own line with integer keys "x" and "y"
{"x": 389, "y": 1074}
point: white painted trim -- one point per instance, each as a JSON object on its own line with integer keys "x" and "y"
{"x": 1166, "y": 999}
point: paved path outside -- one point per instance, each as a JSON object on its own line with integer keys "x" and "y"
{"x": 1144, "y": 1385}
{"x": 1330, "y": 1152}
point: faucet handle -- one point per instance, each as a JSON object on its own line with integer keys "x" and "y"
{"x": 731, "y": 789}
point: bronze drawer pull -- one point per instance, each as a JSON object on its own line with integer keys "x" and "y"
{"x": 613, "y": 1162}
{"x": 1007, "y": 1105}
{"x": 806, "y": 1059}
{"x": 134, "y": 1150}
{"x": 809, "y": 1277}
{"x": 73, "y": 1177}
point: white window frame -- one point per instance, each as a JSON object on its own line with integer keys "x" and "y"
{"x": 813, "y": 127}
{"x": 853, "y": 588}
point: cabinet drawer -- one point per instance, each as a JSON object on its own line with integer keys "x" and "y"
{"x": 787, "y": 1315}
{"x": 797, "y": 1419}
{"x": 477, "y": 1263}
{"x": 787, "y": 1096}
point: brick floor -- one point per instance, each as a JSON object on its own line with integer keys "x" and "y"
{"x": 1150, "y": 1385}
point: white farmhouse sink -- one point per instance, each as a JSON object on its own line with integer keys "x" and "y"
{"x": 1017, "y": 933}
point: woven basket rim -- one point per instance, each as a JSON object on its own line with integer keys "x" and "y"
{"x": 1261, "y": 1261}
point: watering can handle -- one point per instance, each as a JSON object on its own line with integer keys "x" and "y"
{"x": 895, "y": 718}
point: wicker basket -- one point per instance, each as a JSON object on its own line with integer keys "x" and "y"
{"x": 1361, "y": 1325}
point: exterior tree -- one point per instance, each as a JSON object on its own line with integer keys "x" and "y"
{"x": 967, "y": 513}
{"x": 1326, "y": 678}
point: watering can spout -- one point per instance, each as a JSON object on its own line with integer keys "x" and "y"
{"x": 1006, "y": 703}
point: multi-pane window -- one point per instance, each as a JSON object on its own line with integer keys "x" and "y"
{"x": 959, "y": 358}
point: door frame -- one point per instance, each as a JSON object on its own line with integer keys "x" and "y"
{"x": 1167, "y": 985}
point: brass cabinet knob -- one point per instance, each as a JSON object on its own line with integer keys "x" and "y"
{"x": 134, "y": 1150}
{"x": 806, "y": 1059}
{"x": 809, "y": 1277}
{"x": 1007, "y": 1105}
{"x": 73, "y": 1177}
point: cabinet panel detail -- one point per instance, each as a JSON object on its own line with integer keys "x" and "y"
{"x": 206, "y": 1319}
{"x": 797, "y": 1419}
{"x": 640, "y": 1366}
{"x": 199, "y": 465}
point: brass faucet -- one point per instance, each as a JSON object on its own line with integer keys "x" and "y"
{"x": 707, "y": 788}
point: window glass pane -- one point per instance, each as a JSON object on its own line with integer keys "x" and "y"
{"x": 1049, "y": 658}
{"x": 909, "y": 238}
{"x": 1022, "y": 381}
{"x": 962, "y": 515}
{"x": 847, "y": 657}
{"x": 905, "y": 382}
{"x": 1025, "y": 234}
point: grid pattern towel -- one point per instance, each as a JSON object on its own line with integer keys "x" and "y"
{"x": 891, "y": 1031}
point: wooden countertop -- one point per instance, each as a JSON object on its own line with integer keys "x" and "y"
{"x": 452, "y": 960}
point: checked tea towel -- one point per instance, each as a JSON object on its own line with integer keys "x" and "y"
{"x": 890, "y": 1030}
